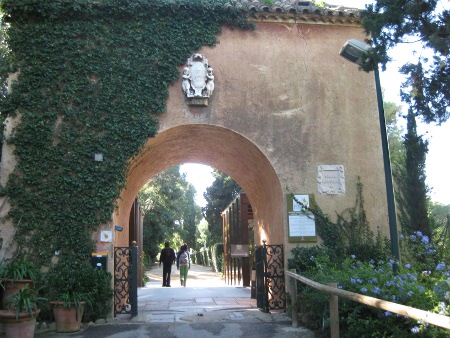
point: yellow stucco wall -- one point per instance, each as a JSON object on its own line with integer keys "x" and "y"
{"x": 284, "y": 103}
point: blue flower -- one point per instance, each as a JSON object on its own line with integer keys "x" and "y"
{"x": 363, "y": 290}
{"x": 387, "y": 313}
{"x": 431, "y": 250}
{"x": 376, "y": 290}
{"x": 408, "y": 266}
{"x": 352, "y": 256}
{"x": 352, "y": 280}
{"x": 415, "y": 329}
{"x": 440, "y": 266}
{"x": 359, "y": 280}
{"x": 410, "y": 293}
{"x": 425, "y": 239}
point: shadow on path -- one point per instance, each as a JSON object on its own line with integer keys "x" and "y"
{"x": 206, "y": 308}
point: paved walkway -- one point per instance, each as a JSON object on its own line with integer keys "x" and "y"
{"x": 205, "y": 294}
{"x": 205, "y": 308}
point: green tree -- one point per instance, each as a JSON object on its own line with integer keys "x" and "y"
{"x": 218, "y": 196}
{"x": 440, "y": 220}
{"x": 395, "y": 133}
{"x": 392, "y": 22}
{"x": 414, "y": 189}
{"x": 408, "y": 154}
{"x": 203, "y": 235}
{"x": 170, "y": 212}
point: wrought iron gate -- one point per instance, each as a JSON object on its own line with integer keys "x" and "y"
{"x": 270, "y": 288}
{"x": 125, "y": 280}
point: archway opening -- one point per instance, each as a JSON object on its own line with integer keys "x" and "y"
{"x": 217, "y": 147}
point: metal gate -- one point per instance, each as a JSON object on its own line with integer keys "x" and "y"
{"x": 270, "y": 288}
{"x": 125, "y": 280}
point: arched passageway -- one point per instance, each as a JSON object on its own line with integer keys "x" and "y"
{"x": 220, "y": 148}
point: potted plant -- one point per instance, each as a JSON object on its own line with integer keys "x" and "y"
{"x": 19, "y": 313}
{"x": 69, "y": 294}
{"x": 16, "y": 275}
{"x": 68, "y": 309}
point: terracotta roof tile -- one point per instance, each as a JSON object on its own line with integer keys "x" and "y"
{"x": 294, "y": 10}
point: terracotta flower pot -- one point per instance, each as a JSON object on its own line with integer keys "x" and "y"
{"x": 23, "y": 326}
{"x": 67, "y": 319}
{"x": 12, "y": 287}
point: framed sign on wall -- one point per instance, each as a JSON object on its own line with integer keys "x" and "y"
{"x": 301, "y": 222}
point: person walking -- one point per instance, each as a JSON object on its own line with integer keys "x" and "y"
{"x": 167, "y": 257}
{"x": 183, "y": 263}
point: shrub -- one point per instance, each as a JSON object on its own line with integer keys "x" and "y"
{"x": 217, "y": 257}
{"x": 93, "y": 283}
{"x": 427, "y": 290}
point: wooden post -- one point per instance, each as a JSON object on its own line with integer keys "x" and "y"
{"x": 293, "y": 287}
{"x": 334, "y": 313}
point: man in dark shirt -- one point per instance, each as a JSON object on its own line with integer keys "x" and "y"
{"x": 167, "y": 257}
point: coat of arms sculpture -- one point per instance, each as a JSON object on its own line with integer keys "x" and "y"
{"x": 198, "y": 80}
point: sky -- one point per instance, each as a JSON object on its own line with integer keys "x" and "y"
{"x": 437, "y": 168}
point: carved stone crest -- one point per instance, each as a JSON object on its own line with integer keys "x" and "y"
{"x": 198, "y": 79}
{"x": 331, "y": 179}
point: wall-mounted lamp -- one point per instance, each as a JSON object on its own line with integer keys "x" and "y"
{"x": 353, "y": 50}
{"x": 118, "y": 228}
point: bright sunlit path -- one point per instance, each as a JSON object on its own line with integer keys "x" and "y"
{"x": 200, "y": 176}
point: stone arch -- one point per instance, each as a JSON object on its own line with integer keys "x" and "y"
{"x": 217, "y": 147}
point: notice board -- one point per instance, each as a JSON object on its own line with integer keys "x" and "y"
{"x": 301, "y": 222}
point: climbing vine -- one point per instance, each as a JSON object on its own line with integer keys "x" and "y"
{"x": 92, "y": 77}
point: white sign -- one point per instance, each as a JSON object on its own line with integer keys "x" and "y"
{"x": 301, "y": 225}
{"x": 106, "y": 236}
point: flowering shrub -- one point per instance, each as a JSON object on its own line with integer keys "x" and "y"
{"x": 420, "y": 281}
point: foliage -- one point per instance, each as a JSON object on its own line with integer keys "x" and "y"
{"x": 393, "y": 22}
{"x": 440, "y": 214}
{"x": 217, "y": 257}
{"x": 24, "y": 300}
{"x": 417, "y": 247}
{"x": 421, "y": 281}
{"x": 202, "y": 233}
{"x": 218, "y": 196}
{"x": 170, "y": 211}
{"x": 19, "y": 269}
{"x": 74, "y": 98}
{"x": 378, "y": 279}
{"x": 350, "y": 234}
{"x": 413, "y": 187}
{"x": 71, "y": 283}
{"x": 395, "y": 133}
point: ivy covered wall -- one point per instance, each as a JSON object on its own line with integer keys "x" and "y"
{"x": 92, "y": 77}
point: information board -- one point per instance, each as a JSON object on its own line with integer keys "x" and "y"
{"x": 301, "y": 223}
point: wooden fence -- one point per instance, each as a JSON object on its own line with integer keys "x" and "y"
{"x": 334, "y": 293}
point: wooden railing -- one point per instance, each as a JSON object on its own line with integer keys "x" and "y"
{"x": 334, "y": 293}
